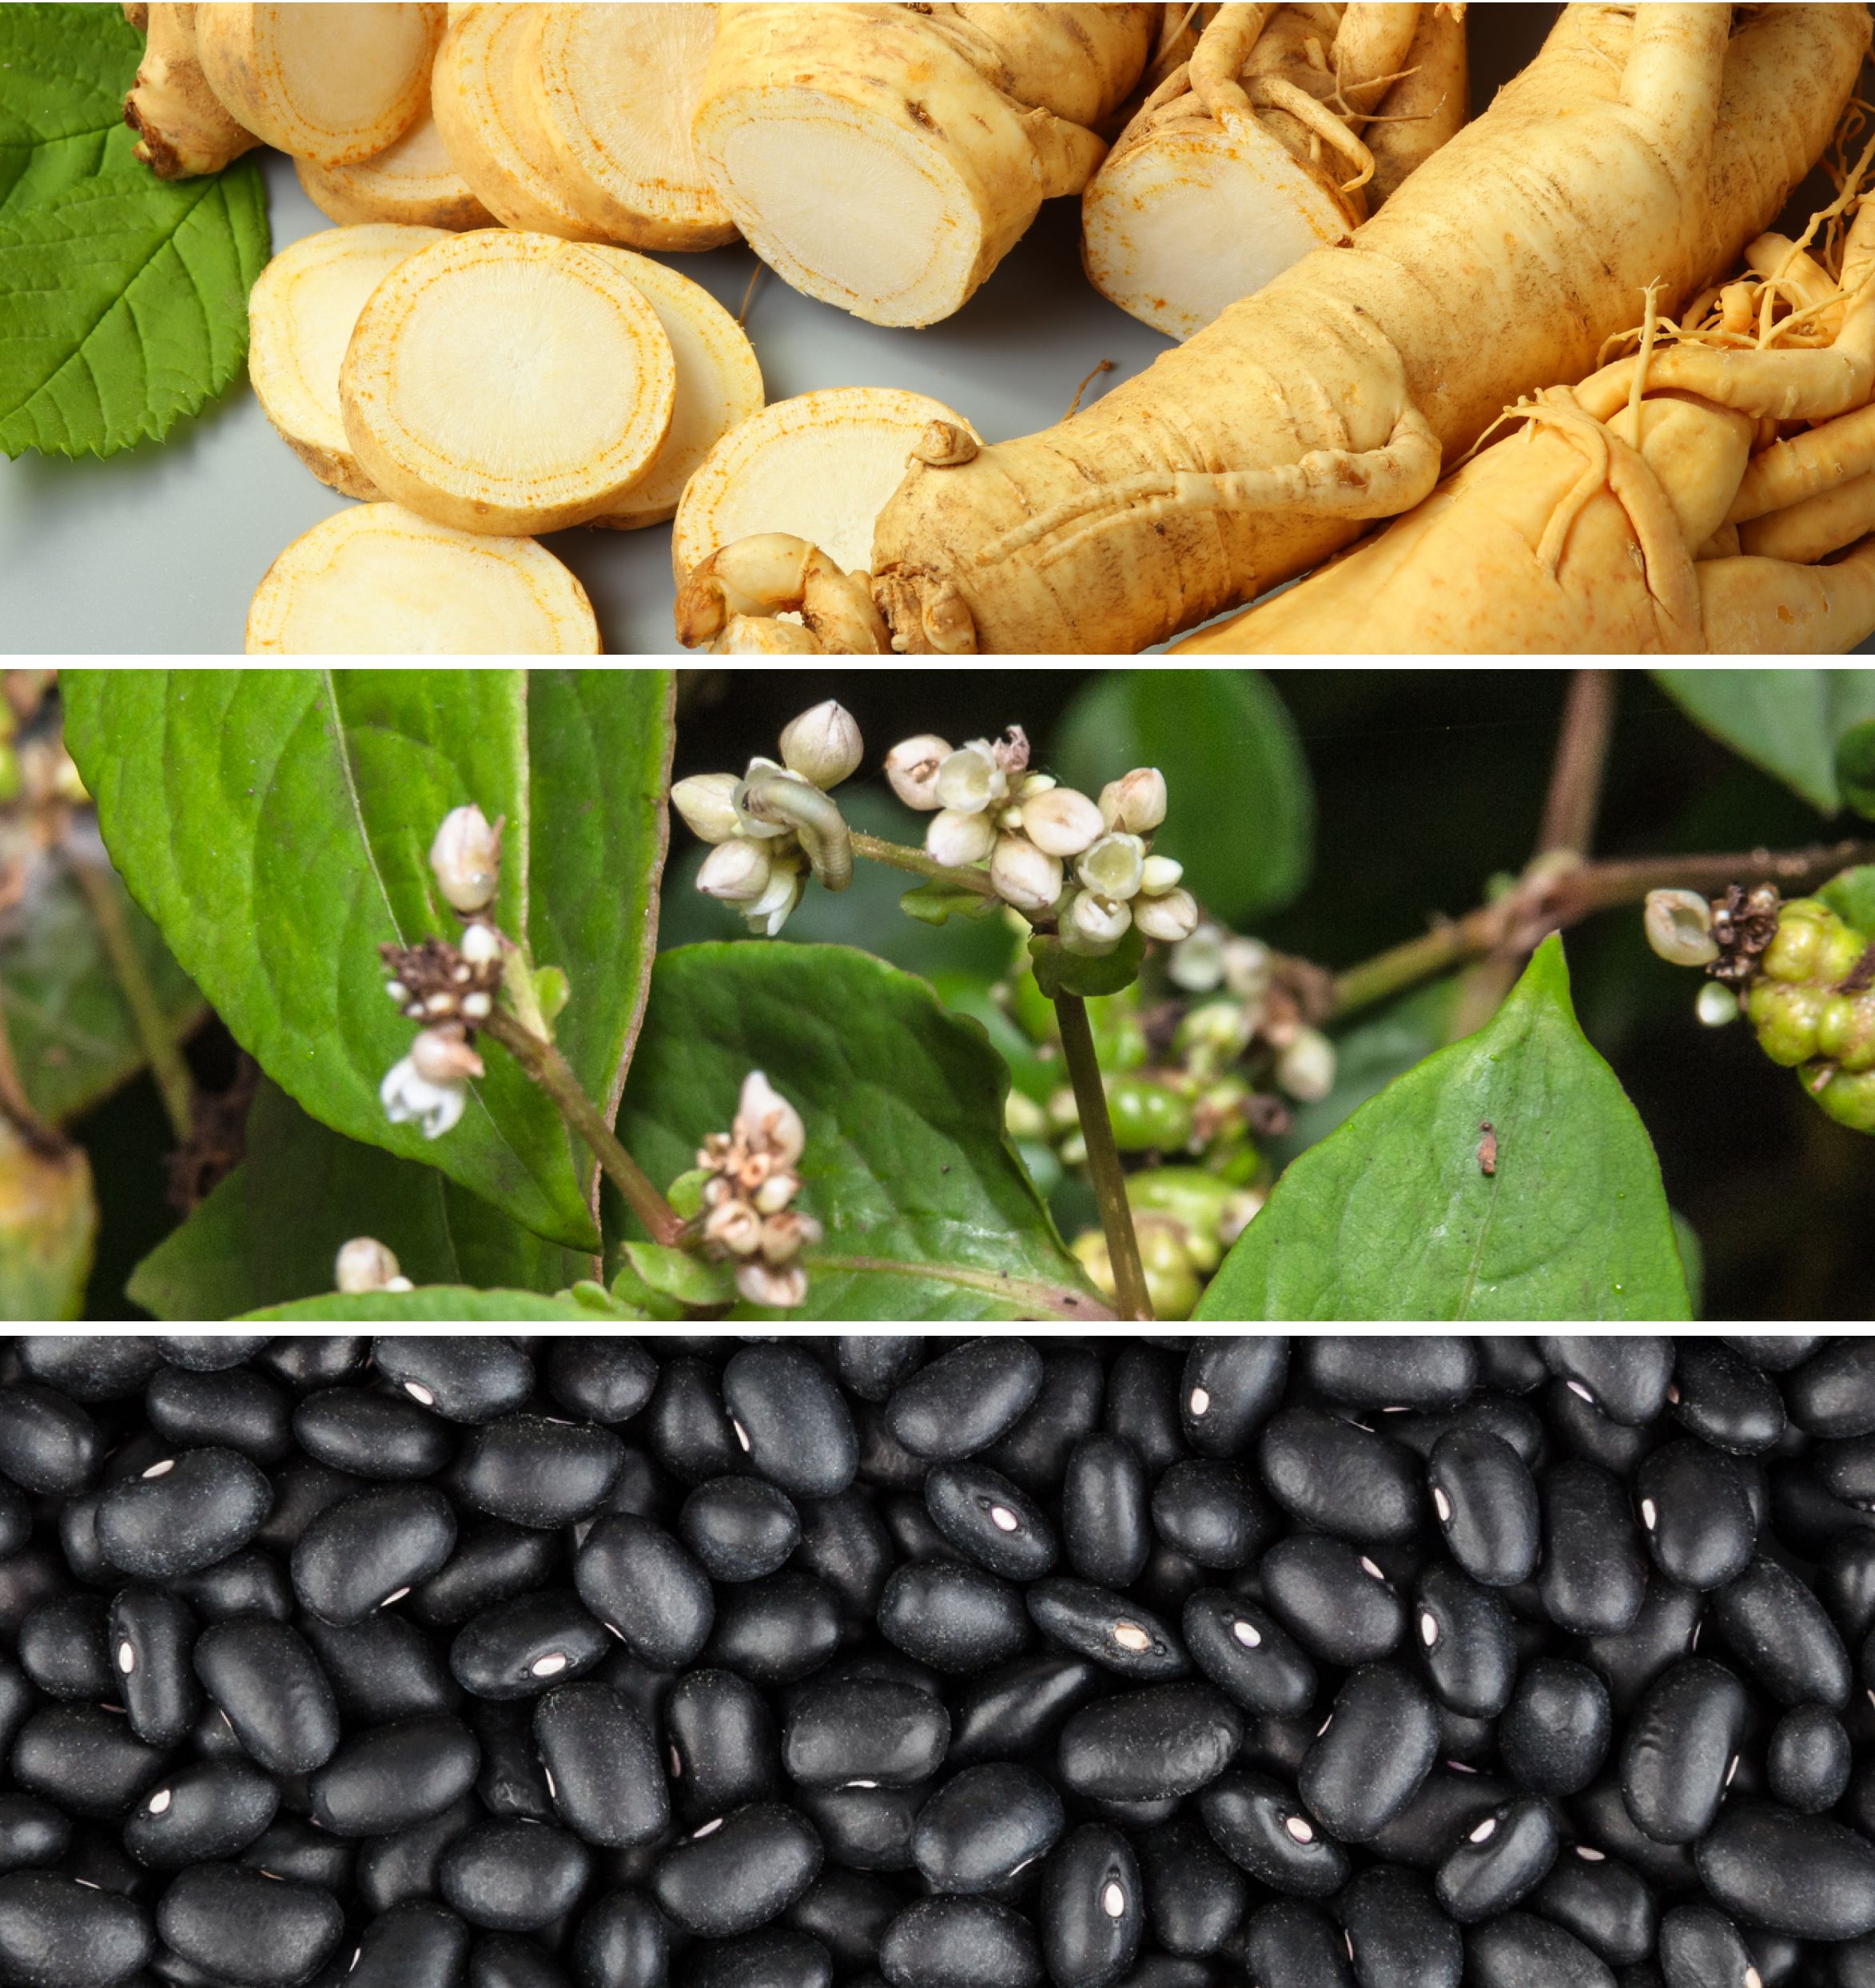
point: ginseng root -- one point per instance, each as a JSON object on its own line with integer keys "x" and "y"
{"x": 333, "y": 83}
{"x": 728, "y": 604}
{"x": 412, "y": 184}
{"x": 886, "y": 158}
{"x": 585, "y": 396}
{"x": 376, "y": 579}
{"x": 301, "y": 318}
{"x": 184, "y": 129}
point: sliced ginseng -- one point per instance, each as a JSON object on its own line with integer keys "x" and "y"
{"x": 820, "y": 467}
{"x": 376, "y": 580}
{"x": 615, "y": 89}
{"x": 184, "y": 127}
{"x": 412, "y": 183}
{"x": 718, "y": 385}
{"x": 508, "y": 383}
{"x": 301, "y": 314}
{"x": 482, "y": 98}
{"x": 332, "y": 84}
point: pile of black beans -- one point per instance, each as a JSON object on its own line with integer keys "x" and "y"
{"x": 1359, "y": 1662}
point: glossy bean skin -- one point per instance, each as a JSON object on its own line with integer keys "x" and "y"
{"x": 1464, "y": 1641}
{"x": 1555, "y": 1732}
{"x": 1679, "y": 1751}
{"x": 267, "y": 1683}
{"x": 466, "y": 1380}
{"x": 182, "y": 1513}
{"x": 1290, "y": 1944}
{"x": 775, "y": 1630}
{"x": 1247, "y": 1654}
{"x": 1799, "y": 1875}
{"x": 358, "y": 1553}
{"x": 1213, "y": 1512}
{"x": 243, "y": 1927}
{"x": 1107, "y": 1526}
{"x": 1229, "y": 1389}
{"x": 1335, "y": 1601}
{"x": 723, "y": 1750}
{"x": 1367, "y": 1762}
{"x": 1166, "y": 1741}
{"x": 48, "y": 1443}
{"x": 954, "y": 1617}
{"x": 1261, "y": 1825}
{"x": 865, "y": 1729}
{"x": 1517, "y": 1950}
{"x": 519, "y": 1648}
{"x": 1725, "y": 1400}
{"x": 149, "y": 1636}
{"x": 63, "y": 1648}
{"x": 984, "y": 1825}
{"x": 1195, "y": 1897}
{"x": 1594, "y": 1575}
{"x": 738, "y": 1528}
{"x": 623, "y": 1941}
{"x": 1033, "y": 1452}
{"x": 1105, "y": 1627}
{"x": 1700, "y": 1946}
{"x": 1604, "y": 1902}
{"x": 514, "y": 1877}
{"x": 533, "y": 1470}
{"x": 1808, "y": 1760}
{"x": 393, "y": 1777}
{"x": 1499, "y": 1863}
{"x": 602, "y": 1773}
{"x": 959, "y": 1943}
{"x": 383, "y": 1668}
{"x": 960, "y": 1402}
{"x": 1625, "y": 1375}
{"x": 1778, "y": 1631}
{"x": 791, "y": 1420}
{"x": 642, "y": 1584}
{"x": 210, "y": 1810}
{"x": 1337, "y": 1477}
{"x": 989, "y": 1520}
{"x": 1425, "y": 1371}
{"x": 55, "y": 1933}
{"x": 83, "y": 1759}
{"x": 33, "y": 1833}
{"x": 1696, "y": 1515}
{"x": 1399, "y": 1936}
{"x": 871, "y": 1364}
{"x": 1020, "y": 1706}
{"x": 1485, "y": 1501}
{"x": 1092, "y": 1910}
{"x": 739, "y": 1871}
{"x": 244, "y": 1412}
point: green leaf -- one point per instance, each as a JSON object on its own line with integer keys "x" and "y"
{"x": 1855, "y": 767}
{"x": 270, "y": 1232}
{"x": 1787, "y": 722}
{"x": 1393, "y": 1217}
{"x": 64, "y": 73}
{"x": 928, "y": 1212}
{"x": 441, "y": 1304}
{"x": 675, "y": 1273}
{"x": 937, "y": 903}
{"x": 277, "y": 825}
{"x": 1241, "y": 807}
{"x": 72, "y": 1035}
{"x": 1058, "y": 971}
{"x": 1851, "y": 896}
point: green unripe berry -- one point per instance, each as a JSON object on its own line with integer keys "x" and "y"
{"x": 1191, "y": 1196}
{"x": 1236, "y": 1165}
{"x": 1147, "y": 1117}
{"x": 1216, "y": 1033}
{"x": 1846, "y": 1032}
{"x": 1786, "y": 1018}
{"x": 1849, "y": 1099}
{"x": 1812, "y": 943}
{"x": 1171, "y": 1280}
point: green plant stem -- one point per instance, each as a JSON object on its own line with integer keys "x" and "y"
{"x": 551, "y": 1072}
{"x": 1103, "y": 1158}
{"x": 160, "y": 1050}
{"x": 897, "y": 856}
{"x": 1552, "y": 897}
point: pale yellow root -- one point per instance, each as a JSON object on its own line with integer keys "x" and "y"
{"x": 615, "y": 89}
{"x": 412, "y": 184}
{"x": 884, "y": 159}
{"x": 378, "y": 581}
{"x": 1642, "y": 145}
{"x": 1814, "y": 527}
{"x": 184, "y": 128}
{"x": 301, "y": 316}
{"x": 817, "y": 468}
{"x": 1762, "y": 606}
{"x": 719, "y": 385}
{"x": 1427, "y": 108}
{"x": 1806, "y": 466}
{"x": 508, "y": 383}
{"x": 724, "y": 602}
{"x": 330, "y": 83}
{"x": 482, "y": 97}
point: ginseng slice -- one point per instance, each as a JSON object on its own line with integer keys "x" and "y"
{"x": 508, "y": 383}
{"x": 820, "y": 466}
{"x": 330, "y": 83}
{"x": 413, "y": 183}
{"x": 616, "y": 88}
{"x": 301, "y": 314}
{"x": 719, "y": 385}
{"x": 378, "y": 581}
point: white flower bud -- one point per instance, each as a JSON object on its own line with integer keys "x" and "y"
{"x": 823, "y": 745}
{"x": 707, "y": 802}
{"x": 363, "y": 1264}
{"x": 1159, "y": 875}
{"x": 970, "y": 779}
{"x": 770, "y": 912}
{"x": 775, "y": 1192}
{"x": 959, "y": 840}
{"x": 1170, "y": 916}
{"x": 1113, "y": 865}
{"x": 480, "y": 944}
{"x": 1249, "y": 966}
{"x": 1306, "y": 1068}
{"x": 1679, "y": 927}
{"x": 406, "y": 1093}
{"x": 1061, "y": 822}
{"x": 762, "y": 1284}
{"x": 785, "y": 1236}
{"x": 443, "y": 1056}
{"x": 748, "y": 824}
{"x": 1025, "y": 876}
{"x": 1094, "y": 925}
{"x": 912, "y": 766}
{"x": 1136, "y": 803}
{"x": 736, "y": 872}
{"x": 466, "y": 857}
{"x": 734, "y": 1226}
{"x": 764, "y": 1118}
{"x": 1716, "y": 1005}
{"x": 1197, "y": 964}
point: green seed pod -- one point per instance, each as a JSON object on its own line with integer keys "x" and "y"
{"x": 1172, "y": 1277}
{"x": 1237, "y": 1166}
{"x": 1812, "y": 944}
{"x": 1786, "y": 1018}
{"x": 1846, "y": 1032}
{"x": 1849, "y": 1099}
{"x": 1147, "y": 1117}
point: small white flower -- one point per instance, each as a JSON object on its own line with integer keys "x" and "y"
{"x": 959, "y": 840}
{"x": 707, "y": 802}
{"x": 970, "y": 779}
{"x": 785, "y": 1235}
{"x": 363, "y": 1264}
{"x": 1679, "y": 927}
{"x": 763, "y": 1116}
{"x": 1159, "y": 875}
{"x": 1113, "y": 865}
{"x": 912, "y": 766}
{"x": 466, "y": 857}
{"x": 1716, "y": 1005}
{"x": 1249, "y": 966}
{"x": 1196, "y": 963}
{"x": 406, "y": 1093}
{"x": 1135, "y": 804}
{"x": 823, "y": 745}
{"x": 770, "y": 912}
{"x": 1167, "y": 915}
{"x": 762, "y": 1284}
{"x": 1025, "y": 876}
{"x": 734, "y": 1226}
{"x": 737, "y": 872}
{"x": 1061, "y": 822}
{"x": 1306, "y": 1068}
{"x": 443, "y": 1056}
{"x": 1094, "y": 925}
{"x": 748, "y": 824}
{"x": 480, "y": 944}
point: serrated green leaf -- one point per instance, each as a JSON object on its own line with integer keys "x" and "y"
{"x": 1851, "y": 896}
{"x": 1058, "y": 971}
{"x": 1786, "y": 722}
{"x": 928, "y": 1212}
{"x": 1241, "y": 806}
{"x": 276, "y": 823}
{"x": 72, "y": 1035}
{"x": 64, "y": 71}
{"x": 437, "y": 1305}
{"x": 1394, "y": 1217}
{"x": 270, "y": 1232}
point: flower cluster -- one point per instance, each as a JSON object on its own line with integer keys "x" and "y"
{"x": 987, "y": 808}
{"x": 1255, "y": 1004}
{"x": 757, "y": 863}
{"x": 748, "y": 1217}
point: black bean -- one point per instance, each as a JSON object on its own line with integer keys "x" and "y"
{"x": 315, "y": 1360}
{"x": 522, "y": 1647}
{"x": 1593, "y": 1576}
{"x": 461, "y": 1379}
{"x": 602, "y": 1769}
{"x": 959, "y": 1943}
{"x": 622, "y": 1942}
{"x": 775, "y": 1630}
{"x": 600, "y": 1380}
{"x": 514, "y": 1877}
{"x": 1555, "y": 1732}
{"x": 1485, "y": 1504}
{"x": 182, "y": 1513}
{"x": 1700, "y": 1948}
{"x": 1292, "y": 1945}
{"x": 1625, "y": 1375}
{"x": 1449, "y": 1802}
{"x": 645, "y": 1588}
{"x": 394, "y": 1777}
{"x": 1211, "y": 1512}
{"x": 1397, "y": 1936}
{"x": 1106, "y": 1511}
{"x": 373, "y": 1433}
{"x": 493, "y": 1563}
{"x": 739, "y": 1528}
{"x": 383, "y": 1668}
{"x": 1681, "y": 1749}
{"x": 1725, "y": 1401}
{"x": 866, "y": 1829}
{"x": 244, "y": 1412}
{"x": 987, "y": 1519}
{"x": 1808, "y": 1760}
{"x": 212, "y": 1809}
{"x": 415, "y": 1945}
{"x": 83, "y": 1759}
{"x": 724, "y": 1751}
{"x": 393, "y": 1869}
{"x": 953, "y": 1616}
{"x": 149, "y": 1637}
{"x": 844, "y": 1543}
{"x": 62, "y": 1648}
{"x": 1423, "y": 1371}
{"x": 847, "y": 1912}
{"x": 32, "y": 1832}
{"x": 1337, "y": 1476}
{"x": 210, "y": 1353}
{"x": 1099, "y": 1624}
{"x": 1092, "y": 1908}
{"x": 1778, "y": 1631}
{"x": 790, "y": 1420}
{"x": 100, "y": 1367}
{"x": 871, "y": 1364}
{"x": 1603, "y": 1902}
{"x": 1196, "y": 1897}
{"x": 1258, "y": 1823}
{"x": 983, "y": 1826}
{"x": 244, "y": 1927}
{"x": 1660, "y": 1634}
{"x": 1696, "y": 1515}
{"x": 963, "y": 1401}
{"x": 534, "y": 1471}
{"x": 1230, "y": 1388}
{"x": 57, "y": 1933}
{"x": 1799, "y": 1875}
{"x": 1034, "y": 1452}
{"x": 267, "y": 1685}
{"x": 1377, "y": 1745}
{"x": 1517, "y": 1950}
{"x": 1464, "y": 1641}
{"x": 369, "y": 1550}
{"x": 1166, "y": 1741}
{"x": 1832, "y": 1392}
{"x": 739, "y": 1871}
{"x": 1020, "y": 1706}
{"x": 777, "y": 1956}
{"x": 289, "y": 1848}
{"x": 1335, "y": 1601}
{"x": 1247, "y": 1654}
{"x": 864, "y": 1729}
{"x": 1500, "y": 1861}
{"x": 48, "y": 1443}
